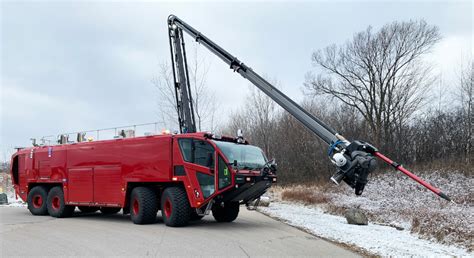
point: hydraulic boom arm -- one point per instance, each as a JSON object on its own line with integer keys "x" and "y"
{"x": 353, "y": 160}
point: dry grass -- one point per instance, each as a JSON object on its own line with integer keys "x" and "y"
{"x": 304, "y": 195}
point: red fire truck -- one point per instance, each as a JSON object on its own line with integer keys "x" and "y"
{"x": 183, "y": 175}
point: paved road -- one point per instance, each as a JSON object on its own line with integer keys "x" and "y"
{"x": 252, "y": 234}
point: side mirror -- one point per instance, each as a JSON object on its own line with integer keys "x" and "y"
{"x": 234, "y": 163}
{"x": 273, "y": 165}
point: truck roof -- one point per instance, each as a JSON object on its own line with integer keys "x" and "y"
{"x": 202, "y": 135}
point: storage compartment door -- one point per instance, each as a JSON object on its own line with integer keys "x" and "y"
{"x": 108, "y": 184}
{"x": 80, "y": 185}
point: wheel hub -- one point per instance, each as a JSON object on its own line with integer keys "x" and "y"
{"x": 37, "y": 201}
{"x": 168, "y": 208}
{"x": 136, "y": 207}
{"x": 56, "y": 203}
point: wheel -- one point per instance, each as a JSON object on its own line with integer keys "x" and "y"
{"x": 56, "y": 205}
{"x": 37, "y": 200}
{"x": 143, "y": 205}
{"x": 228, "y": 213}
{"x": 175, "y": 207}
{"x": 109, "y": 210}
{"x": 88, "y": 209}
{"x": 195, "y": 216}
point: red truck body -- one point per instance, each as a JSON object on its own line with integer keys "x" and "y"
{"x": 103, "y": 173}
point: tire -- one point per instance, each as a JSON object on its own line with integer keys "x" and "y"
{"x": 37, "y": 200}
{"x": 109, "y": 210}
{"x": 88, "y": 209}
{"x": 175, "y": 207}
{"x": 228, "y": 213}
{"x": 195, "y": 216}
{"x": 56, "y": 205}
{"x": 143, "y": 205}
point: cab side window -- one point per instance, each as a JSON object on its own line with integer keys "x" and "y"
{"x": 203, "y": 154}
{"x": 197, "y": 152}
{"x": 186, "y": 149}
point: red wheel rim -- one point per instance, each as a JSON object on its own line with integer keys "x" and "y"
{"x": 56, "y": 203}
{"x": 168, "y": 208}
{"x": 37, "y": 201}
{"x": 136, "y": 206}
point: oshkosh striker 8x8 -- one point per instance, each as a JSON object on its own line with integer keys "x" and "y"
{"x": 184, "y": 175}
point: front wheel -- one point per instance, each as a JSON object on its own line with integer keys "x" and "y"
{"x": 56, "y": 205}
{"x": 175, "y": 207}
{"x": 226, "y": 213}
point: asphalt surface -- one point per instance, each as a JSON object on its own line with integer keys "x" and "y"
{"x": 252, "y": 234}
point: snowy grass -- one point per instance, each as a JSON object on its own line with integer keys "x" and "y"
{"x": 373, "y": 238}
{"x": 394, "y": 200}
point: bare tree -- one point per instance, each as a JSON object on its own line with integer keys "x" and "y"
{"x": 262, "y": 115}
{"x": 204, "y": 101}
{"x": 381, "y": 74}
{"x": 467, "y": 107}
{"x": 257, "y": 119}
{"x": 167, "y": 107}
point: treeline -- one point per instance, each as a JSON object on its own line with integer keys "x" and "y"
{"x": 432, "y": 139}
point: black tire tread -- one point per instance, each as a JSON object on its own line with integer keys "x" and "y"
{"x": 228, "y": 213}
{"x": 65, "y": 210}
{"x": 42, "y": 190}
{"x": 181, "y": 213}
{"x": 148, "y": 202}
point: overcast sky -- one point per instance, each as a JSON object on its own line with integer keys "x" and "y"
{"x": 76, "y": 66}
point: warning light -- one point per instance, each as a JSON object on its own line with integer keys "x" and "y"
{"x": 174, "y": 179}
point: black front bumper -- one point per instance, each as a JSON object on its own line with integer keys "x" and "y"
{"x": 248, "y": 188}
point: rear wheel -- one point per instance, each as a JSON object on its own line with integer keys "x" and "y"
{"x": 109, "y": 210}
{"x": 37, "y": 200}
{"x": 143, "y": 205}
{"x": 227, "y": 213}
{"x": 56, "y": 205}
{"x": 175, "y": 207}
{"x": 88, "y": 209}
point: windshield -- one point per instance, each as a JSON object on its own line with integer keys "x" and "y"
{"x": 247, "y": 156}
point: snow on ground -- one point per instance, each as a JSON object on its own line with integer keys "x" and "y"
{"x": 12, "y": 201}
{"x": 374, "y": 238}
{"x": 393, "y": 199}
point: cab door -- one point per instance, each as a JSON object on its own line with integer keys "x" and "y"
{"x": 199, "y": 162}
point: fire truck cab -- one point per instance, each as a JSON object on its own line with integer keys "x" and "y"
{"x": 183, "y": 175}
